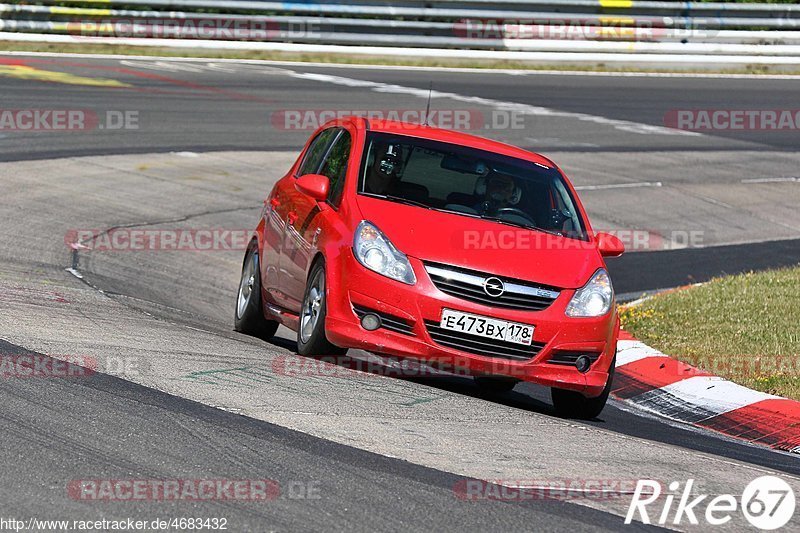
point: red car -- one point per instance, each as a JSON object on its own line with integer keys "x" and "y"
{"x": 465, "y": 253}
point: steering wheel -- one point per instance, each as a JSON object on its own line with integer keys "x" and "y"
{"x": 517, "y": 212}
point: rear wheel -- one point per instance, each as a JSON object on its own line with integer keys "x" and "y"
{"x": 493, "y": 385}
{"x": 571, "y": 404}
{"x": 311, "y": 339}
{"x": 249, "y": 315}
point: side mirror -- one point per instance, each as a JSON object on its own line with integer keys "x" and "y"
{"x": 609, "y": 245}
{"x": 314, "y": 185}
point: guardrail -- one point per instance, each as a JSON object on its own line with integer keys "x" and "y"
{"x": 606, "y": 27}
{"x": 678, "y": 14}
{"x": 673, "y": 8}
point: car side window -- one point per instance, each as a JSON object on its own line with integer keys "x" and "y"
{"x": 316, "y": 151}
{"x": 335, "y": 166}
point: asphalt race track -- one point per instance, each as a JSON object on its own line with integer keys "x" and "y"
{"x": 178, "y": 394}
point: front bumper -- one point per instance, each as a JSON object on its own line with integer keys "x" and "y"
{"x": 351, "y": 286}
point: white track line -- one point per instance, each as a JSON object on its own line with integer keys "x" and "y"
{"x": 771, "y": 180}
{"x": 525, "y": 109}
{"x": 618, "y": 186}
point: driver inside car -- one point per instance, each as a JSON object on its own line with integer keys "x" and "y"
{"x": 500, "y": 192}
{"x": 384, "y": 173}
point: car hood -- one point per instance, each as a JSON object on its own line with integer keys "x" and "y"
{"x": 483, "y": 245}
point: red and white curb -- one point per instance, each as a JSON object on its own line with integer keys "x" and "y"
{"x": 670, "y": 388}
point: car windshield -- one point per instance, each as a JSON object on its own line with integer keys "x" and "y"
{"x": 469, "y": 182}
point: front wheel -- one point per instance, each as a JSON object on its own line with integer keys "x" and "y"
{"x": 311, "y": 339}
{"x": 571, "y": 404}
{"x": 249, "y": 315}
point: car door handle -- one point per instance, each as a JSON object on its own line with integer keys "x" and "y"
{"x": 291, "y": 218}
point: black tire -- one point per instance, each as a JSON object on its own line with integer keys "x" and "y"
{"x": 248, "y": 314}
{"x": 311, "y": 339}
{"x": 571, "y": 404}
{"x": 493, "y": 385}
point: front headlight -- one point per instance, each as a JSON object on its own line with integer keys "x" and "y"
{"x": 593, "y": 299}
{"x": 376, "y": 252}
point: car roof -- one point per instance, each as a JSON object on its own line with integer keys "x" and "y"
{"x": 449, "y": 136}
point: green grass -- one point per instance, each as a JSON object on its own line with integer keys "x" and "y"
{"x": 745, "y": 328}
{"x": 352, "y": 59}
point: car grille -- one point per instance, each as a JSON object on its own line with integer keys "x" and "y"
{"x": 469, "y": 285}
{"x": 559, "y": 357}
{"x": 482, "y": 345}
{"x": 390, "y": 322}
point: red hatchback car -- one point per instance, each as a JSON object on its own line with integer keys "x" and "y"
{"x": 464, "y": 253}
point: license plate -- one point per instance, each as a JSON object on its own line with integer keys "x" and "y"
{"x": 482, "y": 326}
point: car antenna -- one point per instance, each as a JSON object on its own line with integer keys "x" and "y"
{"x": 428, "y": 108}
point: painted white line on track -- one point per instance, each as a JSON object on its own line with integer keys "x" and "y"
{"x": 790, "y": 179}
{"x": 557, "y": 142}
{"x": 167, "y": 66}
{"x": 526, "y": 109}
{"x": 619, "y": 186}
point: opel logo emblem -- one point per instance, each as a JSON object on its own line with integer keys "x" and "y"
{"x": 494, "y": 287}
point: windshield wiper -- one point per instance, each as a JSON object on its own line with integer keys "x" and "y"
{"x": 456, "y": 212}
{"x": 521, "y": 225}
{"x": 401, "y": 200}
{"x": 398, "y": 199}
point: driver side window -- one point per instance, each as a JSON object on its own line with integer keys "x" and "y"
{"x": 316, "y": 151}
{"x": 335, "y": 166}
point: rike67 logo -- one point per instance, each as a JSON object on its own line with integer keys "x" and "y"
{"x": 767, "y": 503}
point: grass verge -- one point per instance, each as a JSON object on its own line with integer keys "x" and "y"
{"x": 358, "y": 59}
{"x": 745, "y": 328}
